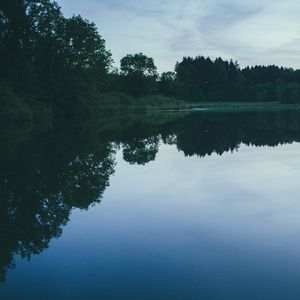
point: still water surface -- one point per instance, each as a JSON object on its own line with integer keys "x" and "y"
{"x": 171, "y": 206}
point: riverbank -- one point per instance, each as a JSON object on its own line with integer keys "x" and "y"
{"x": 118, "y": 102}
{"x": 243, "y": 106}
{"x": 14, "y": 109}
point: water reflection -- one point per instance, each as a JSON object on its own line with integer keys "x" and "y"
{"x": 40, "y": 185}
{"x": 45, "y": 175}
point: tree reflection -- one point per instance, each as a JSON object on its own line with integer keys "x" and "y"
{"x": 205, "y": 134}
{"x": 141, "y": 151}
{"x": 40, "y": 186}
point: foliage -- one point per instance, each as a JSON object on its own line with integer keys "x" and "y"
{"x": 202, "y": 79}
{"x": 55, "y": 60}
{"x": 139, "y": 74}
{"x": 161, "y": 101}
{"x": 12, "y": 108}
{"x": 113, "y": 101}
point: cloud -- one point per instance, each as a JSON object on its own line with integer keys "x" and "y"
{"x": 253, "y": 32}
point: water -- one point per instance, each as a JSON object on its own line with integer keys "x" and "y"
{"x": 167, "y": 206}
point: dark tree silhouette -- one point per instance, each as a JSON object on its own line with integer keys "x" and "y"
{"x": 139, "y": 74}
{"x": 48, "y": 60}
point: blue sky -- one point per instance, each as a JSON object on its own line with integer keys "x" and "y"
{"x": 252, "y": 32}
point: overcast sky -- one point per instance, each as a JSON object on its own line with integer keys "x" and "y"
{"x": 250, "y": 31}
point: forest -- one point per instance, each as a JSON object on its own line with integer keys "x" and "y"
{"x": 57, "y": 67}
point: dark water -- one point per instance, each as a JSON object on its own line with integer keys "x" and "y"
{"x": 167, "y": 206}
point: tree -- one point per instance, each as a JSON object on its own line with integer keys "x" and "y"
{"x": 70, "y": 52}
{"x": 86, "y": 60}
{"x": 14, "y": 60}
{"x": 167, "y": 84}
{"x": 84, "y": 47}
{"x": 61, "y": 63}
{"x": 139, "y": 74}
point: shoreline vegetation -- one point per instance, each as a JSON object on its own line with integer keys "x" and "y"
{"x": 57, "y": 68}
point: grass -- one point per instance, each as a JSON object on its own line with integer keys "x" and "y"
{"x": 119, "y": 102}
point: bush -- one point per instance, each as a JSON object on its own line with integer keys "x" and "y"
{"x": 160, "y": 100}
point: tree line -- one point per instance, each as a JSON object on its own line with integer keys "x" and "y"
{"x": 202, "y": 78}
{"x": 53, "y": 65}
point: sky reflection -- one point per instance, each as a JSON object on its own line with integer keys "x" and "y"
{"x": 219, "y": 227}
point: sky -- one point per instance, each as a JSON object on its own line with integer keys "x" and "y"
{"x": 253, "y": 32}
